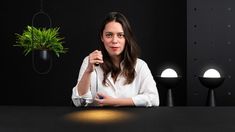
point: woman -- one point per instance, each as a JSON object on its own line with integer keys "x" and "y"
{"x": 115, "y": 76}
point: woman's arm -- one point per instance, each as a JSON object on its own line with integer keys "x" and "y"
{"x": 84, "y": 84}
{"x": 105, "y": 100}
{"x": 88, "y": 67}
{"x": 147, "y": 89}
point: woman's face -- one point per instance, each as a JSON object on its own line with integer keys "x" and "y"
{"x": 113, "y": 38}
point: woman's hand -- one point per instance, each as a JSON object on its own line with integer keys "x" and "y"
{"x": 95, "y": 57}
{"x": 105, "y": 100}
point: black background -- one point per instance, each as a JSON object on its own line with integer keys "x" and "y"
{"x": 159, "y": 25}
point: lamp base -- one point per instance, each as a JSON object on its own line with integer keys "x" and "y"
{"x": 211, "y": 98}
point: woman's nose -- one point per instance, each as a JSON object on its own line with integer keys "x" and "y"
{"x": 115, "y": 39}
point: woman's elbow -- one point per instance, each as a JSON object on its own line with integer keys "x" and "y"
{"x": 155, "y": 101}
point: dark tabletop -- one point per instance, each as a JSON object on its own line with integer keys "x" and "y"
{"x": 154, "y": 119}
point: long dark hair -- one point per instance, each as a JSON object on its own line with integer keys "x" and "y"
{"x": 129, "y": 55}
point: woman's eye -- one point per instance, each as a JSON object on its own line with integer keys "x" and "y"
{"x": 109, "y": 35}
{"x": 120, "y": 35}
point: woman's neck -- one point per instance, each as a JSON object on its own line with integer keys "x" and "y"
{"x": 116, "y": 60}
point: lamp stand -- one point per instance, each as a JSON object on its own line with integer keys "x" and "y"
{"x": 170, "y": 102}
{"x": 211, "y": 98}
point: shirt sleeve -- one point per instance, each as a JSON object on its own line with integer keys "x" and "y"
{"x": 148, "y": 93}
{"x": 76, "y": 98}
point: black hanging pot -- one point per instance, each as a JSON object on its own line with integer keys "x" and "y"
{"x": 42, "y": 61}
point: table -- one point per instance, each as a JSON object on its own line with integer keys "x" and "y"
{"x": 154, "y": 119}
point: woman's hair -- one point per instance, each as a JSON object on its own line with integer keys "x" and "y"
{"x": 129, "y": 55}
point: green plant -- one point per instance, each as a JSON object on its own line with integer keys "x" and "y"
{"x": 40, "y": 39}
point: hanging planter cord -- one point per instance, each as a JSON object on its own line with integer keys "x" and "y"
{"x": 41, "y": 12}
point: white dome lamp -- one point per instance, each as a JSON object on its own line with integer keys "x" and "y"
{"x": 169, "y": 73}
{"x": 211, "y": 79}
{"x": 169, "y": 79}
{"x": 211, "y": 73}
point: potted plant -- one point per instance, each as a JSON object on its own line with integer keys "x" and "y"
{"x": 40, "y": 39}
{"x": 41, "y": 42}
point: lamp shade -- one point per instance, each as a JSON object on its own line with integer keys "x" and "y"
{"x": 168, "y": 78}
{"x": 211, "y": 82}
{"x": 168, "y": 82}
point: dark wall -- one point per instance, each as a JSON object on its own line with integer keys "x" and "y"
{"x": 210, "y": 37}
{"x": 160, "y": 28}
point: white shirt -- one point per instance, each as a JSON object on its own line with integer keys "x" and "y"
{"x": 143, "y": 90}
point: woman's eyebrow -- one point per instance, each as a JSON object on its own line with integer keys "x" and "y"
{"x": 108, "y": 32}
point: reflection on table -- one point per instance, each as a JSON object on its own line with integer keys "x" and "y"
{"x": 154, "y": 119}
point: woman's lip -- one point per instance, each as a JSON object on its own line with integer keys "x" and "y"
{"x": 114, "y": 48}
